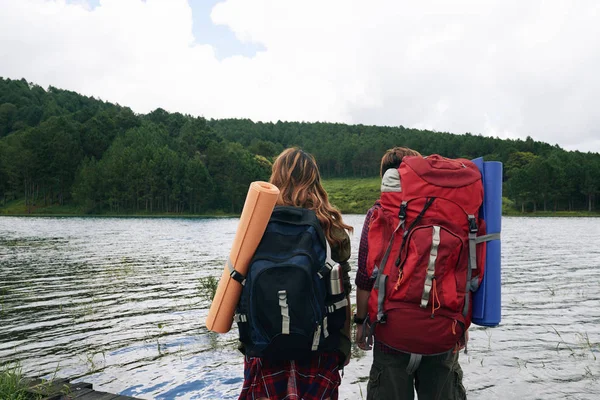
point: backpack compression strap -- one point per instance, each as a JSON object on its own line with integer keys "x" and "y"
{"x": 487, "y": 238}
{"x": 235, "y": 274}
{"x": 326, "y": 270}
{"x": 381, "y": 279}
{"x": 285, "y": 312}
{"x": 472, "y": 260}
{"x": 329, "y": 263}
{"x": 435, "y": 243}
{"x": 473, "y": 284}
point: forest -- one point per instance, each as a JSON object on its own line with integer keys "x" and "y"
{"x": 58, "y": 147}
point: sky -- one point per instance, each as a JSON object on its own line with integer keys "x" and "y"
{"x": 503, "y": 68}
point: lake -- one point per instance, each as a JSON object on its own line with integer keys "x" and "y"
{"x": 118, "y": 302}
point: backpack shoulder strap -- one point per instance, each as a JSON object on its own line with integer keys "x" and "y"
{"x": 329, "y": 263}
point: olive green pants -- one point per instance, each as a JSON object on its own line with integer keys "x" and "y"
{"x": 438, "y": 377}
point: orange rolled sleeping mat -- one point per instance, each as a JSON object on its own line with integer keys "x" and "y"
{"x": 257, "y": 210}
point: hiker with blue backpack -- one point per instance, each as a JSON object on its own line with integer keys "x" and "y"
{"x": 294, "y": 312}
{"x": 420, "y": 257}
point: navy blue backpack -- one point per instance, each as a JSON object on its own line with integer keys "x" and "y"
{"x": 286, "y": 309}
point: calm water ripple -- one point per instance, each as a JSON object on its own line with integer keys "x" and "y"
{"x": 119, "y": 302}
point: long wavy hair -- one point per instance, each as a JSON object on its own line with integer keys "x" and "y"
{"x": 296, "y": 174}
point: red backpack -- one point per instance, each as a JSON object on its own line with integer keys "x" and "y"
{"x": 425, "y": 252}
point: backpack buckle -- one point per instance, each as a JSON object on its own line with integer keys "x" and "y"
{"x": 325, "y": 270}
{"x": 472, "y": 224}
{"x": 234, "y": 274}
{"x": 402, "y": 213}
{"x": 238, "y": 277}
{"x": 240, "y": 318}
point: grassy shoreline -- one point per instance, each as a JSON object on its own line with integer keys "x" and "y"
{"x": 549, "y": 214}
{"x": 351, "y": 196}
{"x": 17, "y": 208}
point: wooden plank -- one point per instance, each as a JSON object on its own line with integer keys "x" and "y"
{"x": 80, "y": 386}
{"x": 56, "y": 396}
{"x": 49, "y": 390}
{"x": 126, "y": 398}
{"x": 80, "y": 393}
{"x": 33, "y": 381}
{"x": 60, "y": 389}
{"x": 98, "y": 396}
{"x": 49, "y": 386}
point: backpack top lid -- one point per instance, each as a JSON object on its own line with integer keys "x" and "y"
{"x": 437, "y": 176}
{"x": 442, "y": 171}
{"x": 299, "y": 216}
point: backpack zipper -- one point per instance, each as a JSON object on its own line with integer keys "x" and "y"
{"x": 405, "y": 245}
{"x": 413, "y": 226}
{"x": 276, "y": 259}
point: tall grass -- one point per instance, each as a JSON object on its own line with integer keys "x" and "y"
{"x": 12, "y": 385}
{"x": 207, "y": 287}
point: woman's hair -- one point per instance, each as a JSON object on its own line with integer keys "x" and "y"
{"x": 296, "y": 174}
{"x": 393, "y": 157}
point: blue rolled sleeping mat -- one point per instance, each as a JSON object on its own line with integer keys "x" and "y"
{"x": 487, "y": 300}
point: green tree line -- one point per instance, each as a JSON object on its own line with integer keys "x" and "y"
{"x": 59, "y": 147}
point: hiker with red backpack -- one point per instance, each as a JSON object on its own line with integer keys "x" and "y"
{"x": 421, "y": 255}
{"x": 294, "y": 311}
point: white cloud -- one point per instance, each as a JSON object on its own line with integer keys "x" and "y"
{"x": 505, "y": 68}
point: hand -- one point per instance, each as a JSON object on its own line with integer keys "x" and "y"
{"x": 361, "y": 337}
{"x": 462, "y": 343}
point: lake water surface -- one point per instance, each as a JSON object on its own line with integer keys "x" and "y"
{"x": 118, "y": 302}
